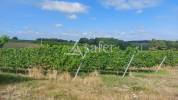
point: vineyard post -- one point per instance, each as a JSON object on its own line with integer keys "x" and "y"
{"x": 159, "y": 67}
{"x": 28, "y": 62}
{"x": 128, "y": 65}
{"x": 83, "y": 57}
{"x": 41, "y": 42}
{"x": 76, "y": 74}
{"x": 141, "y": 47}
{"x": 0, "y": 68}
{"x": 16, "y": 62}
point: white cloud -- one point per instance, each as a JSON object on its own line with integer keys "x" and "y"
{"x": 72, "y": 17}
{"x": 65, "y": 7}
{"x": 58, "y": 25}
{"x": 26, "y": 32}
{"x": 137, "y": 5}
{"x": 69, "y": 8}
{"x": 140, "y": 29}
{"x": 139, "y": 11}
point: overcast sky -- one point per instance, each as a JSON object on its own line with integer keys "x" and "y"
{"x": 72, "y": 19}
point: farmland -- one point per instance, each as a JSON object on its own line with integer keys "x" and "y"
{"x": 88, "y": 50}
{"x": 49, "y": 72}
{"x": 13, "y": 44}
{"x": 55, "y": 57}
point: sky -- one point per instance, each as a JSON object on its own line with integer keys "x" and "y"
{"x": 73, "y": 19}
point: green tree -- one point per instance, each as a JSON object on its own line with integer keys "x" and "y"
{"x": 15, "y": 38}
{"x": 83, "y": 40}
{"x": 157, "y": 45}
{"x": 3, "y": 39}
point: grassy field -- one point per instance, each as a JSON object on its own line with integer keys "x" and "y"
{"x": 137, "y": 86}
{"x": 14, "y": 44}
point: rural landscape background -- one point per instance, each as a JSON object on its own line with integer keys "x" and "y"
{"x": 88, "y": 50}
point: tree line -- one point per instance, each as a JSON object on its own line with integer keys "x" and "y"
{"x": 144, "y": 45}
{"x": 123, "y": 45}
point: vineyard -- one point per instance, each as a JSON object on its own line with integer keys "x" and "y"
{"x": 54, "y": 57}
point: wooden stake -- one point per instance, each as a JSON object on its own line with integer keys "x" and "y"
{"x": 159, "y": 67}
{"x": 83, "y": 57}
{"x": 128, "y": 66}
{"x": 76, "y": 74}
